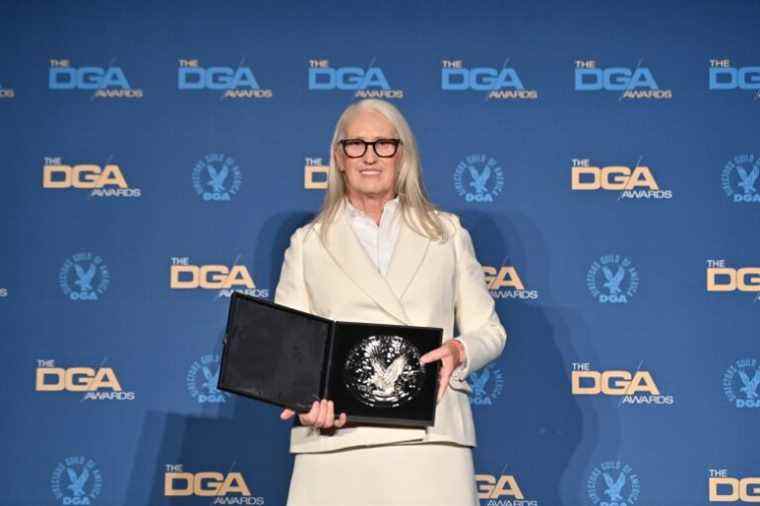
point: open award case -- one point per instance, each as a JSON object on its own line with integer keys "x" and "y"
{"x": 371, "y": 372}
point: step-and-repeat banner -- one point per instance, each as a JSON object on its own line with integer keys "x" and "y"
{"x": 604, "y": 157}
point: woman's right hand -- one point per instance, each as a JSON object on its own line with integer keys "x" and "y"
{"x": 321, "y": 416}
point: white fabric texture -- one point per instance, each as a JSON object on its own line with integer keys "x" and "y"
{"x": 432, "y": 474}
{"x": 378, "y": 241}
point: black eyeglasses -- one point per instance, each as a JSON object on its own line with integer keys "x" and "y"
{"x": 356, "y": 148}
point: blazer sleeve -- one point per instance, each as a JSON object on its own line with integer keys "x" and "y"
{"x": 481, "y": 331}
{"x": 291, "y": 289}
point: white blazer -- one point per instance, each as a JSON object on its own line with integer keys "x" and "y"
{"x": 428, "y": 283}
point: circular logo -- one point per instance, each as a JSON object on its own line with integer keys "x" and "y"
{"x": 613, "y": 484}
{"x": 612, "y": 279}
{"x": 740, "y": 383}
{"x": 383, "y": 371}
{"x": 202, "y": 378}
{"x": 217, "y": 177}
{"x": 76, "y": 480}
{"x": 479, "y": 178}
{"x": 84, "y": 276}
{"x": 739, "y": 179}
{"x": 487, "y": 385}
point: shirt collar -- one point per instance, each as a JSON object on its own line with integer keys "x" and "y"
{"x": 389, "y": 208}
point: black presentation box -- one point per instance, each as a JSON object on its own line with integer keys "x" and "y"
{"x": 290, "y": 358}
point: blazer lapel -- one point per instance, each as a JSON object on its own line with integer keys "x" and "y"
{"x": 347, "y": 252}
{"x": 407, "y": 258}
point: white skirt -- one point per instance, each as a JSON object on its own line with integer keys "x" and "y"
{"x": 434, "y": 474}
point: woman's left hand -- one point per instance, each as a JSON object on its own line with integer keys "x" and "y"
{"x": 451, "y": 355}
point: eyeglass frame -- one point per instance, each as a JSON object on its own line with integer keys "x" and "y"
{"x": 396, "y": 142}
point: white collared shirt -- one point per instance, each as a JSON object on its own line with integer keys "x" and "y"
{"x": 380, "y": 240}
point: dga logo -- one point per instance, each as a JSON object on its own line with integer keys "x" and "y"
{"x": 632, "y": 183}
{"x": 613, "y": 484}
{"x": 617, "y": 383}
{"x": 76, "y": 480}
{"x": 229, "y": 488}
{"x": 479, "y": 178}
{"x": 501, "y": 490}
{"x": 724, "y": 76}
{"x": 499, "y": 83}
{"x": 315, "y": 174}
{"x": 725, "y": 488}
{"x": 740, "y": 383}
{"x": 217, "y": 177}
{"x": 487, "y": 385}
{"x": 367, "y": 83}
{"x": 202, "y": 378}
{"x": 635, "y": 83}
{"x": 186, "y": 276}
{"x": 740, "y": 179}
{"x": 505, "y": 282}
{"x": 105, "y": 82}
{"x": 97, "y": 384}
{"x": 6, "y": 92}
{"x": 84, "y": 276}
{"x": 107, "y": 181}
{"x": 612, "y": 279}
{"x": 235, "y": 82}
{"x": 721, "y": 278}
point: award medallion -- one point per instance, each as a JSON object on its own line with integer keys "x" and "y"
{"x": 383, "y": 371}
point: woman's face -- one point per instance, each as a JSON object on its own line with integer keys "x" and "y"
{"x": 369, "y": 175}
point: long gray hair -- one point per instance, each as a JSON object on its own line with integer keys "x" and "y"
{"x": 417, "y": 210}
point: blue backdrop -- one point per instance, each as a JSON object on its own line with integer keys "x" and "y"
{"x": 604, "y": 157}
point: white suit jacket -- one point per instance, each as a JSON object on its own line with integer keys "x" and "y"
{"x": 428, "y": 283}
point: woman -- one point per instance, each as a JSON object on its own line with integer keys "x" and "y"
{"x": 380, "y": 252}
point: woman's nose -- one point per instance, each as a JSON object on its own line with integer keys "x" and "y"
{"x": 369, "y": 155}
